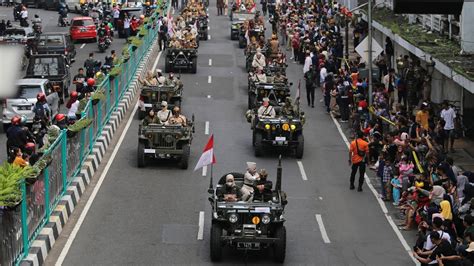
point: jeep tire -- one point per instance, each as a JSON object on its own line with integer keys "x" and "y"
{"x": 194, "y": 66}
{"x": 168, "y": 67}
{"x": 141, "y": 155}
{"x": 258, "y": 147}
{"x": 183, "y": 163}
{"x": 300, "y": 146}
{"x": 279, "y": 247}
{"x": 216, "y": 246}
{"x": 251, "y": 103}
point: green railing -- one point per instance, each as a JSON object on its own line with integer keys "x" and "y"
{"x": 20, "y": 225}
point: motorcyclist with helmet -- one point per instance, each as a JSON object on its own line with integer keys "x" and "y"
{"x": 89, "y": 88}
{"x": 91, "y": 65}
{"x": 17, "y": 135}
{"x": 37, "y": 25}
{"x": 61, "y": 121}
{"x": 62, "y": 19}
{"x": 42, "y": 109}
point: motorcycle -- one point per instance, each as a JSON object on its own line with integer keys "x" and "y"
{"x": 38, "y": 131}
{"x": 62, "y": 21}
{"x": 102, "y": 43}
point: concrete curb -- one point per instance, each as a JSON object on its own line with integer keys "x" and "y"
{"x": 44, "y": 242}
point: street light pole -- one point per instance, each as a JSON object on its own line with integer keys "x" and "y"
{"x": 369, "y": 18}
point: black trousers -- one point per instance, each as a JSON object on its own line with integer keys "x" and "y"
{"x": 220, "y": 11}
{"x": 310, "y": 94}
{"x": 361, "y": 167}
{"x": 344, "y": 108}
{"x": 327, "y": 101}
{"x": 162, "y": 41}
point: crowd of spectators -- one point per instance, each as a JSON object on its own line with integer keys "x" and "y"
{"x": 410, "y": 142}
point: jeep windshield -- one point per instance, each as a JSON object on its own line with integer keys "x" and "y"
{"x": 46, "y": 66}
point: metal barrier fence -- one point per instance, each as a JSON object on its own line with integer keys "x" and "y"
{"x": 67, "y": 154}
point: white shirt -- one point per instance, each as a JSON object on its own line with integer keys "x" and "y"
{"x": 126, "y": 23}
{"x": 164, "y": 115}
{"x": 307, "y": 64}
{"x": 448, "y": 117}
{"x": 116, "y": 13}
{"x": 323, "y": 73}
{"x": 73, "y": 110}
{"x": 24, "y": 14}
{"x": 444, "y": 235}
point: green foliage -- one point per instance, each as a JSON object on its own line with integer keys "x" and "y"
{"x": 99, "y": 94}
{"x": 10, "y": 180}
{"x": 80, "y": 124}
{"x": 115, "y": 71}
{"x": 143, "y": 31}
{"x": 438, "y": 46}
{"x": 135, "y": 41}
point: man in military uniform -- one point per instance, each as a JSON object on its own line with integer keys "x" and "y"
{"x": 177, "y": 118}
{"x": 263, "y": 187}
{"x": 273, "y": 44}
{"x": 164, "y": 114}
{"x": 259, "y": 76}
{"x": 259, "y": 61}
{"x": 288, "y": 109}
{"x": 150, "y": 118}
{"x": 171, "y": 80}
{"x": 250, "y": 177}
{"x": 229, "y": 192}
{"x": 279, "y": 78}
{"x": 266, "y": 110}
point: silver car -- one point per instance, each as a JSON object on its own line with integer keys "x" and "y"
{"x": 25, "y": 100}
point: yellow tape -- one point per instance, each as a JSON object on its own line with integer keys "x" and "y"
{"x": 372, "y": 110}
{"x": 417, "y": 162}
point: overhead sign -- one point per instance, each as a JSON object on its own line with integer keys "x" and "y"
{"x": 363, "y": 49}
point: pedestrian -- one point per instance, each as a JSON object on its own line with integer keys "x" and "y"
{"x": 327, "y": 88}
{"x": 162, "y": 34}
{"x": 264, "y": 7}
{"x": 174, "y": 3}
{"x": 344, "y": 101}
{"x": 220, "y": 7}
{"x": 396, "y": 187}
{"x": 126, "y": 26}
{"x": 448, "y": 115}
{"x": 116, "y": 15}
{"x": 389, "y": 82}
{"x": 310, "y": 78}
{"x": 24, "y": 17}
{"x": 358, "y": 152}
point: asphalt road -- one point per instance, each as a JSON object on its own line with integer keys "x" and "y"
{"x": 150, "y": 216}
{"x": 49, "y": 22}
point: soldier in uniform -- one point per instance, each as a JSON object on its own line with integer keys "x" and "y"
{"x": 266, "y": 110}
{"x": 164, "y": 114}
{"x": 170, "y": 81}
{"x": 279, "y": 78}
{"x": 263, "y": 187}
{"x": 288, "y": 109}
{"x": 150, "y": 118}
{"x": 273, "y": 44}
{"x": 229, "y": 192}
{"x": 177, "y": 118}
{"x": 250, "y": 177}
{"x": 259, "y": 76}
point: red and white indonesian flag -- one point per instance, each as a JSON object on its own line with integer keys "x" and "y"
{"x": 253, "y": 8}
{"x": 207, "y": 156}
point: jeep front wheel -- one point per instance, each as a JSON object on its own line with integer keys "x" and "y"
{"x": 216, "y": 246}
{"x": 167, "y": 66}
{"x": 279, "y": 248}
{"x": 183, "y": 163}
{"x": 300, "y": 147}
{"x": 194, "y": 66}
{"x": 258, "y": 145}
{"x": 141, "y": 155}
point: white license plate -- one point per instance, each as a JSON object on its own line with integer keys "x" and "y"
{"x": 149, "y": 151}
{"x": 280, "y": 139}
{"x": 24, "y": 108}
{"x": 148, "y": 105}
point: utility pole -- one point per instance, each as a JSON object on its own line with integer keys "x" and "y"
{"x": 370, "y": 49}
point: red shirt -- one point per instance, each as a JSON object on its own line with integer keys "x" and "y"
{"x": 362, "y": 104}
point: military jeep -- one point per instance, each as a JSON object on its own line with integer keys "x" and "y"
{"x": 152, "y": 96}
{"x": 181, "y": 59}
{"x": 283, "y": 131}
{"x": 276, "y": 92}
{"x": 252, "y": 225}
{"x": 156, "y": 141}
{"x": 238, "y": 20}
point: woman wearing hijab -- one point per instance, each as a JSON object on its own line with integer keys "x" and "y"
{"x": 446, "y": 210}
{"x": 462, "y": 181}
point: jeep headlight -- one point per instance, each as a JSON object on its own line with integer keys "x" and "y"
{"x": 267, "y": 126}
{"x": 189, "y": 54}
{"x": 285, "y": 127}
{"x": 266, "y": 219}
{"x": 173, "y": 54}
{"x": 293, "y": 127}
{"x": 181, "y": 52}
{"x": 233, "y": 218}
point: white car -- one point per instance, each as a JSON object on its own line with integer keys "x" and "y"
{"x": 25, "y": 100}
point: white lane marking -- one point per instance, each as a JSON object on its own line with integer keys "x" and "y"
{"x": 210, "y": 62}
{"x": 302, "y": 171}
{"x": 82, "y": 46}
{"x": 206, "y": 128}
{"x": 204, "y": 170}
{"x": 209, "y": 79}
{"x": 208, "y": 36}
{"x": 91, "y": 199}
{"x": 208, "y": 27}
{"x": 209, "y": 96}
{"x": 324, "y": 234}
{"x": 379, "y": 200}
{"x": 201, "y": 226}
